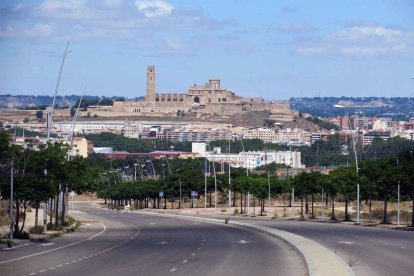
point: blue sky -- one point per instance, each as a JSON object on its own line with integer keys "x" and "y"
{"x": 259, "y": 48}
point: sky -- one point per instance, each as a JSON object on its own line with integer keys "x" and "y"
{"x": 258, "y": 48}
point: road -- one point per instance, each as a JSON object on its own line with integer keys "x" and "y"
{"x": 120, "y": 243}
{"x": 375, "y": 251}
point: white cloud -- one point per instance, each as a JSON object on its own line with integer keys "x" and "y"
{"x": 154, "y": 8}
{"x": 39, "y": 30}
{"x": 19, "y": 7}
{"x": 373, "y": 40}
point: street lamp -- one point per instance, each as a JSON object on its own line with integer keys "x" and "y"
{"x": 135, "y": 176}
{"x": 127, "y": 172}
{"x": 356, "y": 156}
{"x": 229, "y": 171}
{"x": 142, "y": 172}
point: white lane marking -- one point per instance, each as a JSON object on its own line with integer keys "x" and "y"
{"x": 47, "y": 244}
{"x": 184, "y": 261}
{"x": 173, "y": 269}
{"x": 52, "y": 267}
{"x": 17, "y": 246}
{"x": 59, "y": 265}
{"x": 67, "y": 263}
{"x": 243, "y": 241}
{"x": 41, "y": 271}
{"x": 57, "y": 248}
{"x": 162, "y": 242}
{"x": 193, "y": 254}
{"x": 33, "y": 273}
{"x": 346, "y": 242}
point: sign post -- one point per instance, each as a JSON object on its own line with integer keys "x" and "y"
{"x": 161, "y": 194}
{"x": 193, "y": 194}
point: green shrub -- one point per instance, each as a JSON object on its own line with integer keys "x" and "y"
{"x": 36, "y": 230}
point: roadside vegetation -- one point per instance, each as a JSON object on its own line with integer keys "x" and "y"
{"x": 41, "y": 175}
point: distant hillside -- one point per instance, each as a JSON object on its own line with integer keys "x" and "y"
{"x": 32, "y": 102}
{"x": 398, "y": 108}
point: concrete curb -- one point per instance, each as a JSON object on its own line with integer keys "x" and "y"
{"x": 320, "y": 261}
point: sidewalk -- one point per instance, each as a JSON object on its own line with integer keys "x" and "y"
{"x": 30, "y": 222}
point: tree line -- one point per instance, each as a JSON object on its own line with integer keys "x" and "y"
{"x": 41, "y": 175}
{"x": 378, "y": 181}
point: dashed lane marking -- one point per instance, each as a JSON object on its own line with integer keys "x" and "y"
{"x": 173, "y": 269}
{"x": 57, "y": 248}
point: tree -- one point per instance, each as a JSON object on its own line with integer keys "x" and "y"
{"x": 345, "y": 179}
{"x": 39, "y": 114}
{"x": 332, "y": 189}
{"x": 406, "y": 159}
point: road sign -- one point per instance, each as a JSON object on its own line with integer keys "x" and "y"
{"x": 161, "y": 194}
{"x": 193, "y": 193}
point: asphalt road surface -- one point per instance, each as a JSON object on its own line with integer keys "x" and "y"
{"x": 120, "y": 243}
{"x": 373, "y": 251}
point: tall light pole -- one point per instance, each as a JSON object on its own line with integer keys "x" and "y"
{"x": 11, "y": 189}
{"x": 135, "y": 174}
{"x": 50, "y": 118}
{"x": 50, "y": 121}
{"x": 229, "y": 172}
{"x": 180, "y": 195}
{"x": 205, "y": 177}
{"x": 356, "y": 158}
{"x": 142, "y": 172}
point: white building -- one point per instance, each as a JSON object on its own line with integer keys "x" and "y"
{"x": 294, "y": 136}
{"x": 250, "y": 159}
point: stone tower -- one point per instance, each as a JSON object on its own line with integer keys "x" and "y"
{"x": 150, "y": 95}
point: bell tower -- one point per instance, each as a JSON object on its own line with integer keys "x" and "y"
{"x": 150, "y": 95}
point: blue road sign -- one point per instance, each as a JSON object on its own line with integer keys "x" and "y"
{"x": 161, "y": 194}
{"x": 193, "y": 193}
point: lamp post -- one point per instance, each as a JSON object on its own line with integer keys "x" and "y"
{"x": 229, "y": 172}
{"x": 117, "y": 174}
{"x": 142, "y": 172}
{"x": 356, "y": 158}
{"x": 180, "y": 195}
{"x": 135, "y": 174}
{"x": 205, "y": 177}
{"x": 163, "y": 166}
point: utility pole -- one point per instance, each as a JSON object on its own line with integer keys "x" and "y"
{"x": 180, "y": 194}
{"x": 356, "y": 163}
{"x": 205, "y": 177}
{"x": 398, "y": 204}
{"x": 12, "y": 189}
{"x": 229, "y": 172}
{"x": 322, "y": 206}
{"x": 50, "y": 122}
{"x": 293, "y": 202}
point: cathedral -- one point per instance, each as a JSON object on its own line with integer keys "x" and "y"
{"x": 208, "y": 98}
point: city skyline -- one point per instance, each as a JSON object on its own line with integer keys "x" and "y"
{"x": 274, "y": 50}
